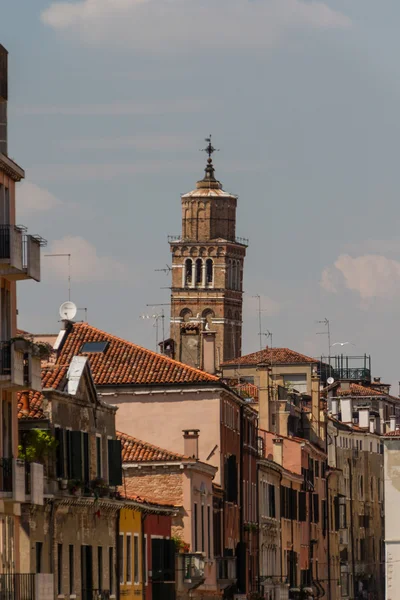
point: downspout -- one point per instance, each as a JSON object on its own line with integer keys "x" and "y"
{"x": 280, "y": 525}
{"x": 117, "y": 577}
{"x": 351, "y": 528}
{"x": 328, "y": 533}
{"x": 142, "y": 521}
{"x": 259, "y": 528}
{"x": 51, "y": 538}
{"x": 241, "y": 508}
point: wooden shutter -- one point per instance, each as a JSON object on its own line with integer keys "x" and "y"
{"x": 76, "y": 455}
{"x": 316, "y": 508}
{"x": 60, "y": 454}
{"x": 302, "y": 507}
{"x": 86, "y": 471}
{"x": 114, "y": 462}
{"x": 169, "y": 560}
{"x": 157, "y": 559}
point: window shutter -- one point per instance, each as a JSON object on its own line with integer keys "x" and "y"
{"x": 232, "y": 487}
{"x": 76, "y": 455}
{"x": 316, "y": 508}
{"x": 60, "y": 465}
{"x": 169, "y": 560}
{"x": 302, "y": 507}
{"x": 85, "y": 457}
{"x": 272, "y": 512}
{"x": 294, "y": 505}
{"x": 114, "y": 462}
{"x": 282, "y": 501}
{"x": 157, "y": 559}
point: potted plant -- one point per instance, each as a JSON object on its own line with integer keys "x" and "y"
{"x": 75, "y": 487}
{"x": 100, "y": 487}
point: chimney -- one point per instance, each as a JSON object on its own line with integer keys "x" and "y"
{"x": 209, "y": 351}
{"x": 191, "y": 443}
{"x": 277, "y": 452}
{"x": 363, "y": 417}
{"x": 334, "y": 409}
{"x": 392, "y": 423}
{"x": 372, "y": 424}
{"x": 3, "y": 99}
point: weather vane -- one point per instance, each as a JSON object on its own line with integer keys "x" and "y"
{"x": 209, "y": 148}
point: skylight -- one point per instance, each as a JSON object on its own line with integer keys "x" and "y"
{"x": 94, "y": 347}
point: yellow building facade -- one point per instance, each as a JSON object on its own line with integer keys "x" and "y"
{"x": 130, "y": 552}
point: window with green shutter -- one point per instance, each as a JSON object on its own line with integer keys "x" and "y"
{"x": 114, "y": 462}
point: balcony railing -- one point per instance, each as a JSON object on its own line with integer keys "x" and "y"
{"x": 17, "y": 586}
{"x": 193, "y": 567}
{"x": 226, "y": 568}
{"x": 18, "y": 369}
{"x": 95, "y": 595}
{"x": 19, "y": 253}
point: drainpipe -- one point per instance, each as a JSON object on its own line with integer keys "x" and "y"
{"x": 280, "y": 526}
{"x": 259, "y": 527}
{"x": 142, "y": 521}
{"x": 51, "y": 539}
{"x": 351, "y": 528}
{"x": 328, "y": 533}
{"x": 117, "y": 577}
{"x": 241, "y": 507}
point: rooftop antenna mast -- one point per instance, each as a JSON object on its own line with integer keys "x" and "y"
{"x": 326, "y": 322}
{"x": 86, "y": 311}
{"x": 69, "y": 268}
{"x": 260, "y": 331}
{"x": 156, "y": 317}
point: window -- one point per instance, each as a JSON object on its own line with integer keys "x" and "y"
{"x": 202, "y": 528}
{"x": 199, "y": 271}
{"x": 59, "y": 568}
{"x": 111, "y": 569}
{"x": 230, "y": 475}
{"x": 316, "y": 468}
{"x": 136, "y": 558}
{"x": 128, "y": 558}
{"x": 121, "y": 557}
{"x": 188, "y": 271}
{"x": 85, "y": 452}
{"x": 146, "y": 571}
{"x": 114, "y": 462}
{"x": 60, "y": 461}
{"x": 302, "y": 506}
{"x": 315, "y": 508}
{"x": 98, "y": 456}
{"x": 361, "y": 486}
{"x": 271, "y": 512}
{"x": 195, "y": 548}
{"x": 100, "y": 567}
{"x": 208, "y": 531}
{"x": 39, "y": 549}
{"x": 209, "y": 271}
{"x": 98, "y": 347}
{"x": 71, "y": 568}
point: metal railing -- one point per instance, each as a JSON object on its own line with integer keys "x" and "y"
{"x": 226, "y": 568}
{"x": 174, "y": 238}
{"x": 17, "y": 586}
{"x": 5, "y": 358}
{"x": 6, "y": 477}
{"x": 242, "y": 241}
{"x": 193, "y": 566}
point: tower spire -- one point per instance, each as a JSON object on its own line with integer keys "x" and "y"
{"x": 209, "y": 170}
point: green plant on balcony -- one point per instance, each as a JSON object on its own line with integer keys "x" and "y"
{"x": 38, "y": 445}
{"x": 40, "y": 349}
{"x": 75, "y": 486}
{"x": 100, "y": 487}
{"x": 181, "y": 547}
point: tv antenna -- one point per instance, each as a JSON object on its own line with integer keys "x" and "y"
{"x": 326, "y": 322}
{"x": 69, "y": 268}
{"x": 157, "y": 316}
{"x": 166, "y": 270}
{"x": 260, "y": 331}
{"x": 86, "y": 311}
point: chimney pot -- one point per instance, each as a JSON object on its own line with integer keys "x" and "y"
{"x": 191, "y": 443}
{"x": 277, "y": 452}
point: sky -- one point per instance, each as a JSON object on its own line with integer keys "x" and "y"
{"x": 110, "y": 102}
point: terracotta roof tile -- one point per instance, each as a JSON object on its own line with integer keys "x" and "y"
{"x": 356, "y": 389}
{"x": 123, "y": 362}
{"x": 144, "y": 500}
{"x": 393, "y": 433}
{"x": 278, "y": 356}
{"x": 30, "y": 403}
{"x": 134, "y": 450}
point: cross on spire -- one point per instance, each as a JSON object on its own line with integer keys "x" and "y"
{"x": 209, "y": 148}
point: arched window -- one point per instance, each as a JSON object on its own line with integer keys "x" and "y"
{"x": 199, "y": 271}
{"x": 234, "y": 275}
{"x": 229, "y": 274}
{"x": 186, "y": 313}
{"x": 188, "y": 271}
{"x": 209, "y": 271}
{"x": 208, "y": 316}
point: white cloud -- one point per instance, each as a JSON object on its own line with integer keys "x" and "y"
{"x": 370, "y": 276}
{"x": 86, "y": 264}
{"x": 31, "y": 198}
{"x": 156, "y": 24}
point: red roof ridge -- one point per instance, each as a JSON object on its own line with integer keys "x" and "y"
{"x": 273, "y": 351}
{"x": 169, "y": 455}
{"x": 172, "y": 361}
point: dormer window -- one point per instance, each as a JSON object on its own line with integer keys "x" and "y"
{"x": 98, "y": 347}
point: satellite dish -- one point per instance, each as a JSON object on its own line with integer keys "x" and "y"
{"x": 330, "y": 380}
{"x": 68, "y": 311}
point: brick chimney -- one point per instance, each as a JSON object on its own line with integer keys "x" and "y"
{"x": 277, "y": 451}
{"x": 3, "y": 99}
{"x": 209, "y": 351}
{"x": 191, "y": 443}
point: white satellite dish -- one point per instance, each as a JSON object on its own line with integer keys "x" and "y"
{"x": 68, "y": 311}
{"x": 330, "y": 380}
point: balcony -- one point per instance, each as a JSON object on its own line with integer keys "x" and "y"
{"x": 193, "y": 568}
{"x": 226, "y": 571}
{"x": 19, "y": 253}
{"x": 19, "y": 370}
{"x": 18, "y": 586}
{"x": 95, "y": 595}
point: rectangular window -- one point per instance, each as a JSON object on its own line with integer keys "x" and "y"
{"x": 59, "y": 436}
{"x": 208, "y": 531}
{"x": 85, "y": 452}
{"x": 271, "y": 512}
{"x": 302, "y": 507}
{"x": 316, "y": 468}
{"x": 136, "y": 558}
{"x": 59, "y": 568}
{"x": 71, "y": 569}
{"x": 129, "y": 558}
{"x": 316, "y": 508}
{"x": 111, "y": 569}
{"x": 202, "y": 528}
{"x": 121, "y": 557}
{"x": 100, "y": 567}
{"x": 39, "y": 548}
{"x": 99, "y": 470}
{"x": 146, "y": 569}
{"x": 195, "y": 547}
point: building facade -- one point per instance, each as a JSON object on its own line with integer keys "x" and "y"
{"x": 207, "y": 277}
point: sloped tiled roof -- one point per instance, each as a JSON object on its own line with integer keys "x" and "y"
{"x": 123, "y": 362}
{"x": 278, "y": 356}
{"x": 147, "y": 502}
{"x": 355, "y": 389}
{"x": 134, "y": 450}
{"x": 30, "y": 403}
{"x": 393, "y": 433}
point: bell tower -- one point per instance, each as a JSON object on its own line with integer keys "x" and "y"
{"x": 207, "y": 276}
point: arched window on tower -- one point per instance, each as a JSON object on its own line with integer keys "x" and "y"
{"x": 234, "y": 275}
{"x": 209, "y": 271}
{"x": 229, "y": 274}
{"x": 199, "y": 271}
{"x": 188, "y": 272}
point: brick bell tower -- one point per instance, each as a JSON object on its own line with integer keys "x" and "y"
{"x": 207, "y": 276}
